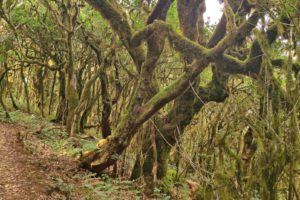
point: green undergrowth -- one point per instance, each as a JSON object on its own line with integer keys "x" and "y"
{"x": 23, "y": 119}
{"x": 51, "y": 134}
{"x": 106, "y": 188}
{"x": 54, "y": 136}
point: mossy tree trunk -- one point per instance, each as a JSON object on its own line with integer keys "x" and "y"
{"x": 3, "y": 84}
{"x": 68, "y": 24}
{"x": 188, "y": 104}
{"x": 23, "y": 78}
{"x": 52, "y": 92}
{"x": 39, "y": 86}
{"x": 71, "y": 86}
{"x": 189, "y": 16}
{"x": 61, "y": 111}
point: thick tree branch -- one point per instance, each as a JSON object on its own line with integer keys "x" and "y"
{"x": 220, "y": 30}
{"x": 160, "y": 11}
{"x": 251, "y": 66}
{"x": 120, "y": 25}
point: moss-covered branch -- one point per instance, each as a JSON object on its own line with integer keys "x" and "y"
{"x": 178, "y": 42}
{"x": 188, "y": 14}
{"x": 238, "y": 36}
{"x": 119, "y": 24}
{"x": 251, "y": 66}
{"x": 160, "y": 11}
{"x": 220, "y": 30}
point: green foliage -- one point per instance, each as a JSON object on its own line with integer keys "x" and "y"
{"x": 172, "y": 17}
{"x": 171, "y": 186}
{"x": 206, "y": 76}
{"x": 24, "y": 119}
{"x": 170, "y": 180}
{"x": 93, "y": 20}
{"x": 60, "y": 186}
{"x": 106, "y": 188}
{"x": 19, "y": 15}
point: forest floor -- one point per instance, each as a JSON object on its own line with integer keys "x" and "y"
{"x": 37, "y": 162}
{"x": 20, "y": 178}
{"x": 24, "y": 175}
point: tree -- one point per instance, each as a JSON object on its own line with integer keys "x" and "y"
{"x": 148, "y": 99}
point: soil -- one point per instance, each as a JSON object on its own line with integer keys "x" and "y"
{"x": 30, "y": 170}
{"x": 19, "y": 177}
{"x": 23, "y": 175}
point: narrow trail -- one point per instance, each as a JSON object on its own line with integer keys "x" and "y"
{"x": 20, "y": 177}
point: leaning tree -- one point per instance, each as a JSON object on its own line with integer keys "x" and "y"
{"x": 244, "y": 24}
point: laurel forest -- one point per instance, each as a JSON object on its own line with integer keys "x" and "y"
{"x": 155, "y": 93}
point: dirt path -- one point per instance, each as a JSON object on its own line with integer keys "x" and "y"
{"x": 20, "y": 177}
